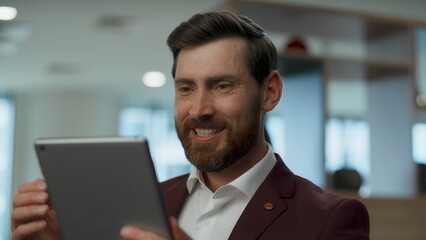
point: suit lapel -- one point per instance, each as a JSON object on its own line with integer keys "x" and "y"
{"x": 258, "y": 214}
{"x": 175, "y": 196}
{"x": 266, "y": 204}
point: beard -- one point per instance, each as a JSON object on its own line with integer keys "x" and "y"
{"x": 240, "y": 138}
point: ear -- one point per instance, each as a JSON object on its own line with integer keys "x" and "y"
{"x": 272, "y": 90}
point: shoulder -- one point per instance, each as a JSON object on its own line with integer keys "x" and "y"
{"x": 300, "y": 192}
{"x": 310, "y": 195}
{"x": 308, "y": 192}
{"x": 338, "y": 214}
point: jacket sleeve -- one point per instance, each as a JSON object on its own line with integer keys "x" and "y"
{"x": 348, "y": 221}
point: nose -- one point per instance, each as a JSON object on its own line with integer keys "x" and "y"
{"x": 202, "y": 106}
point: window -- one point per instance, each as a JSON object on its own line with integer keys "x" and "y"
{"x": 157, "y": 125}
{"x": 275, "y": 128}
{"x": 419, "y": 143}
{"x": 6, "y": 150}
{"x": 347, "y": 146}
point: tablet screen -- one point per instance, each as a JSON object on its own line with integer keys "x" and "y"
{"x": 99, "y": 185}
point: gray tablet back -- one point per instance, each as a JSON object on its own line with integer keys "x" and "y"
{"x": 99, "y": 185}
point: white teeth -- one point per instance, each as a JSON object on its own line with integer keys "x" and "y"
{"x": 206, "y": 132}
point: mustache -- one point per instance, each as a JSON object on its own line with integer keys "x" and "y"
{"x": 210, "y": 123}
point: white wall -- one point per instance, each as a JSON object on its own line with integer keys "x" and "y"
{"x": 391, "y": 118}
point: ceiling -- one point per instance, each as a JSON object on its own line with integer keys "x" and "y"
{"x": 108, "y": 44}
{"x": 98, "y": 44}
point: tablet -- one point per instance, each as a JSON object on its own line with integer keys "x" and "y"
{"x": 99, "y": 185}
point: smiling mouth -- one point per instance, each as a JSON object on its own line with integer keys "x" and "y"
{"x": 206, "y": 132}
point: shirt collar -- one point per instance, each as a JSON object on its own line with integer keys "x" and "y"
{"x": 248, "y": 182}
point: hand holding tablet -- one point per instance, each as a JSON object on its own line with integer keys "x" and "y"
{"x": 99, "y": 185}
{"x": 32, "y": 213}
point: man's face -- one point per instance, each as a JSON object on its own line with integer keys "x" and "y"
{"x": 217, "y": 103}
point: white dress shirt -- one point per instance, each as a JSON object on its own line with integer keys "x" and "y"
{"x": 207, "y": 215}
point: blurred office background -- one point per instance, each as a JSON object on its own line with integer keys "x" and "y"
{"x": 352, "y": 118}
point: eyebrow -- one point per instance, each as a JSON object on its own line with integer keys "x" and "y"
{"x": 184, "y": 81}
{"x": 209, "y": 79}
{"x": 228, "y": 77}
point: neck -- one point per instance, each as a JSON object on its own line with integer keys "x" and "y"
{"x": 215, "y": 180}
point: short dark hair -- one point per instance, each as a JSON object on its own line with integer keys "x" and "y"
{"x": 206, "y": 27}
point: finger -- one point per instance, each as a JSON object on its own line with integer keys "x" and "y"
{"x": 24, "y": 214}
{"x": 35, "y": 186}
{"x": 25, "y": 230}
{"x": 30, "y": 198}
{"x": 133, "y": 233}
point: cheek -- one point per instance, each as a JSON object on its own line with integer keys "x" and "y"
{"x": 233, "y": 108}
{"x": 181, "y": 109}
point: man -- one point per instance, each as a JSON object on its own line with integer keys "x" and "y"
{"x": 225, "y": 82}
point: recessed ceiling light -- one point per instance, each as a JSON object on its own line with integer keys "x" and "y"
{"x": 7, "y": 13}
{"x": 154, "y": 79}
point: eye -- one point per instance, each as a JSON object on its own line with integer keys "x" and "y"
{"x": 184, "y": 90}
{"x": 224, "y": 86}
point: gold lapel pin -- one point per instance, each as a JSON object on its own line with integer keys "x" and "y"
{"x": 268, "y": 206}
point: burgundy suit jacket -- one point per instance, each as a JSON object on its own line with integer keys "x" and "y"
{"x": 286, "y": 206}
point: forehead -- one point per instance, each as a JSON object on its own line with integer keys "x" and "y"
{"x": 218, "y": 57}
